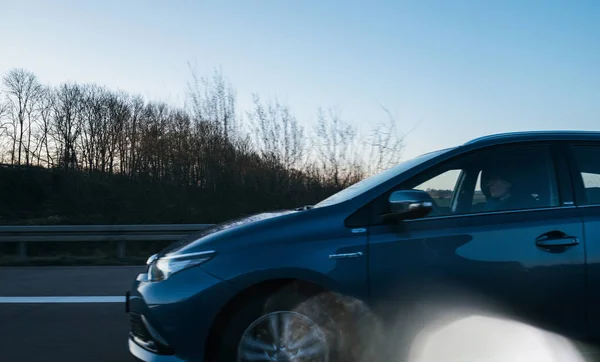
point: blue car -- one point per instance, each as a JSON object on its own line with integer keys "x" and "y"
{"x": 506, "y": 224}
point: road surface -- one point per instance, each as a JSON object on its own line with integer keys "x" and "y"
{"x": 37, "y": 324}
{"x": 42, "y": 330}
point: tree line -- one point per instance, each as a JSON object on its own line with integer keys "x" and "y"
{"x": 83, "y": 153}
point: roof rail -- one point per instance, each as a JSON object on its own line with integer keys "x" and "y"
{"x": 529, "y": 133}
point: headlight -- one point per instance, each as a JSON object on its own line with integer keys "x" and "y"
{"x": 162, "y": 268}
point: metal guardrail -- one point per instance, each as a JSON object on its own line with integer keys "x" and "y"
{"x": 96, "y": 233}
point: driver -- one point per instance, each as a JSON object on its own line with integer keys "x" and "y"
{"x": 499, "y": 191}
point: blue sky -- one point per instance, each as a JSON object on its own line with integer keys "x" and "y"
{"x": 454, "y": 69}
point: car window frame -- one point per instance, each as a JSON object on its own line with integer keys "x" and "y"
{"x": 367, "y": 216}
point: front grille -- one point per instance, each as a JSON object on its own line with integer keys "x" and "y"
{"x": 138, "y": 329}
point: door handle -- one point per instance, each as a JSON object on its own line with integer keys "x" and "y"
{"x": 345, "y": 256}
{"x": 567, "y": 241}
{"x": 556, "y": 238}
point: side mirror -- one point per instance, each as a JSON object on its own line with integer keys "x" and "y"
{"x": 409, "y": 204}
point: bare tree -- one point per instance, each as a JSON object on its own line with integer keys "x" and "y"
{"x": 279, "y": 136}
{"x": 4, "y": 123}
{"x": 384, "y": 145}
{"x": 213, "y": 99}
{"x": 137, "y": 107}
{"x": 45, "y": 109}
{"x": 94, "y": 131}
{"x": 336, "y": 149}
{"x": 153, "y": 149}
{"x": 119, "y": 113}
{"x": 4, "y": 109}
{"x": 23, "y": 90}
{"x": 67, "y": 123}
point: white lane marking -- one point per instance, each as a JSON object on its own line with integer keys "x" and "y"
{"x": 87, "y": 299}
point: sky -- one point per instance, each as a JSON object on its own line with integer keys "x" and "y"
{"x": 449, "y": 71}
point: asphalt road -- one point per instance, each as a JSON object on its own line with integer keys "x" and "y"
{"x": 64, "y": 332}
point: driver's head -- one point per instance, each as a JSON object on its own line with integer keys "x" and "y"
{"x": 498, "y": 184}
{"x": 498, "y": 187}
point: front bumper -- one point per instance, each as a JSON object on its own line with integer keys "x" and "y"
{"x": 170, "y": 320}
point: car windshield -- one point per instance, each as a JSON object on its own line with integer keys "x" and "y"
{"x": 377, "y": 179}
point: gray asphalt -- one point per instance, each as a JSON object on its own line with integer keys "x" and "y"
{"x": 67, "y": 281}
{"x": 64, "y": 332}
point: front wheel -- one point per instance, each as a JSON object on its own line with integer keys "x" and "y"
{"x": 293, "y": 326}
{"x": 283, "y": 335}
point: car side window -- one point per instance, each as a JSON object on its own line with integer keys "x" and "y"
{"x": 500, "y": 179}
{"x": 586, "y": 161}
{"x": 441, "y": 188}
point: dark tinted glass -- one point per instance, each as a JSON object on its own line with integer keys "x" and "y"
{"x": 587, "y": 160}
{"x": 514, "y": 178}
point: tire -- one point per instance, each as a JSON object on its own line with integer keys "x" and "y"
{"x": 337, "y": 321}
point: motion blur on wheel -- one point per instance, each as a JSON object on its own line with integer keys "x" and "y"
{"x": 283, "y": 336}
{"x": 497, "y": 222}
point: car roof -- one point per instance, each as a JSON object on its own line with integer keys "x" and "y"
{"x": 525, "y": 136}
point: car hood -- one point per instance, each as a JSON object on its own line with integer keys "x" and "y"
{"x": 191, "y": 240}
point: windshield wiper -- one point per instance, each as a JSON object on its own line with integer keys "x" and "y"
{"x": 305, "y": 207}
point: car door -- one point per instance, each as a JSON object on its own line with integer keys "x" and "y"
{"x": 585, "y": 172}
{"x": 526, "y": 262}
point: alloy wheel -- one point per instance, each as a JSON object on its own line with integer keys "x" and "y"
{"x": 283, "y": 336}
